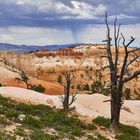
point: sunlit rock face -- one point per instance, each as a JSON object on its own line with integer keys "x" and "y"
{"x": 82, "y": 58}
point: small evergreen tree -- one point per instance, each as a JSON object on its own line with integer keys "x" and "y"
{"x": 127, "y": 93}
{"x": 86, "y": 87}
{"x": 78, "y": 87}
{"x": 24, "y": 78}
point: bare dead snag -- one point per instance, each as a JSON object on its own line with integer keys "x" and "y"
{"x": 66, "y": 79}
{"x": 118, "y": 71}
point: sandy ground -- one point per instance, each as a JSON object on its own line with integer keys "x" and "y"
{"x": 86, "y": 105}
{"x": 4, "y": 73}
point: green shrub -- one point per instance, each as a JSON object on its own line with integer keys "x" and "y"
{"x": 128, "y": 129}
{"x": 41, "y": 110}
{"x": 40, "y": 135}
{"x": 3, "y": 110}
{"x": 23, "y": 78}
{"x": 128, "y": 133}
{"x": 98, "y": 137}
{"x": 32, "y": 122}
{"x": 12, "y": 114}
{"x": 4, "y": 121}
{"x": 23, "y": 108}
{"x": 96, "y": 86}
{"x": 4, "y": 101}
{"x": 127, "y": 93}
{"x": 86, "y": 87}
{"x": 125, "y": 132}
{"x": 38, "y": 88}
{"x": 21, "y": 132}
{"x": 37, "y": 110}
{"x": 125, "y": 136}
{"x": 61, "y": 122}
{"x": 77, "y": 132}
{"x": 91, "y": 127}
{"x": 72, "y": 87}
{"x": 78, "y": 87}
{"x": 89, "y": 137}
{"x": 4, "y": 136}
{"x": 99, "y": 87}
{"x": 102, "y": 121}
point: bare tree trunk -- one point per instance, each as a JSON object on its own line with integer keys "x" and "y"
{"x": 115, "y": 115}
{"x": 66, "y": 80}
{"x": 66, "y": 100}
{"x": 27, "y": 85}
{"x": 118, "y": 73}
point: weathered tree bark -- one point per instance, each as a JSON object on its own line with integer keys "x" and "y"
{"x": 118, "y": 75}
{"x": 66, "y": 98}
{"x": 66, "y": 80}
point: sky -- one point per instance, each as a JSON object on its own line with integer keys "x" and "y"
{"x": 42, "y": 22}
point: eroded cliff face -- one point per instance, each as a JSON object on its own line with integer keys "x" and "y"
{"x": 85, "y": 60}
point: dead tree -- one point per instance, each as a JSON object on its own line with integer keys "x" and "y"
{"x": 66, "y": 79}
{"x": 118, "y": 71}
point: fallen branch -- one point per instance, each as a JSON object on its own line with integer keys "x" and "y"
{"x": 107, "y": 100}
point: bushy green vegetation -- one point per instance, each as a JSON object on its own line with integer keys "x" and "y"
{"x": 5, "y": 136}
{"x": 37, "y": 120}
{"x": 21, "y": 132}
{"x": 102, "y": 121}
{"x": 95, "y": 87}
{"x": 40, "y": 135}
{"x": 78, "y": 87}
{"x": 38, "y": 88}
{"x": 25, "y": 78}
{"x": 86, "y": 87}
{"x": 127, "y": 93}
{"x": 128, "y": 132}
{"x": 125, "y": 132}
{"x": 99, "y": 87}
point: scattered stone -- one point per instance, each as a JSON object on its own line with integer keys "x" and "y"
{"x": 21, "y": 117}
{"x": 49, "y": 101}
{"x": 102, "y": 128}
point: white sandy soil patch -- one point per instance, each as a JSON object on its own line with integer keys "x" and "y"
{"x": 86, "y": 105}
{"x": 4, "y": 73}
{"x": 93, "y": 106}
{"x": 29, "y": 96}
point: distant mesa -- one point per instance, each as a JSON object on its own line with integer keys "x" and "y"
{"x": 32, "y": 48}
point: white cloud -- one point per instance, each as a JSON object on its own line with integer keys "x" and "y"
{"x": 97, "y": 33}
{"x": 86, "y": 11}
{"x": 122, "y": 16}
{"x": 43, "y": 36}
{"x": 6, "y": 37}
{"x": 78, "y": 10}
{"x": 20, "y": 2}
{"x": 36, "y": 36}
{"x": 25, "y": 30}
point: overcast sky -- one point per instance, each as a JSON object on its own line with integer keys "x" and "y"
{"x": 41, "y": 22}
